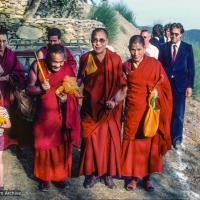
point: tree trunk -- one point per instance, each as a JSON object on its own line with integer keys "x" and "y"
{"x": 32, "y": 9}
{"x": 92, "y": 1}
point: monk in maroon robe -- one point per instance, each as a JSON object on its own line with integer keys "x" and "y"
{"x": 57, "y": 126}
{"x": 142, "y": 156}
{"x": 11, "y": 75}
{"x": 54, "y": 37}
{"x": 104, "y": 87}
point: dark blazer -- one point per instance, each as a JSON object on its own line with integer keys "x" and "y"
{"x": 181, "y": 72}
{"x": 156, "y": 42}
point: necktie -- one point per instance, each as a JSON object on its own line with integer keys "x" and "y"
{"x": 174, "y": 53}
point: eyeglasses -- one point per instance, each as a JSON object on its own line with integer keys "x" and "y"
{"x": 101, "y": 40}
{"x": 175, "y": 34}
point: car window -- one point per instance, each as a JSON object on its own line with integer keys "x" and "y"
{"x": 26, "y": 56}
{"x": 26, "y": 62}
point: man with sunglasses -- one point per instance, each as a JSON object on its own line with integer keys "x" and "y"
{"x": 150, "y": 50}
{"x": 178, "y": 61}
{"x": 104, "y": 88}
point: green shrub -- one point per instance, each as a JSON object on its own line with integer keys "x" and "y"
{"x": 196, "y": 92}
{"x": 105, "y": 14}
{"x": 125, "y": 12}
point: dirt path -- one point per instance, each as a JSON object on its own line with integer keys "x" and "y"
{"x": 180, "y": 179}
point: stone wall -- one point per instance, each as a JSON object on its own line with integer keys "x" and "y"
{"x": 12, "y": 13}
{"x": 13, "y": 8}
{"x": 70, "y": 28}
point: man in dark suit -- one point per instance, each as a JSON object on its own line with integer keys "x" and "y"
{"x": 157, "y": 36}
{"x": 177, "y": 59}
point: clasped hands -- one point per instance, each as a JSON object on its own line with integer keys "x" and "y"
{"x": 3, "y": 78}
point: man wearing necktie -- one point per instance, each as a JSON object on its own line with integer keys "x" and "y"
{"x": 178, "y": 61}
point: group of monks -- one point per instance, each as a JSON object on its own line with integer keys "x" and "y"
{"x": 96, "y": 113}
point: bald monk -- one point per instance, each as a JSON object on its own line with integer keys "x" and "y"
{"x": 57, "y": 125}
{"x": 104, "y": 88}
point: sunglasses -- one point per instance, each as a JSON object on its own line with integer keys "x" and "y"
{"x": 101, "y": 40}
{"x": 175, "y": 34}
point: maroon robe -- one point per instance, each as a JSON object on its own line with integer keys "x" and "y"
{"x": 142, "y": 156}
{"x": 53, "y": 143}
{"x": 100, "y": 126}
{"x": 13, "y": 67}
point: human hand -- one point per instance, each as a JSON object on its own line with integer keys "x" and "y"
{"x": 1, "y": 70}
{"x": 62, "y": 97}
{"x": 188, "y": 92}
{"x": 155, "y": 91}
{"x": 4, "y": 78}
{"x": 110, "y": 104}
{"x": 46, "y": 85}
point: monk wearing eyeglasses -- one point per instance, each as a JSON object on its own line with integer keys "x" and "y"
{"x": 104, "y": 88}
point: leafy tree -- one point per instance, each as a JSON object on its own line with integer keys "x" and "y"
{"x": 32, "y": 9}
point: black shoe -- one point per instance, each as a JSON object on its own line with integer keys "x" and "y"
{"x": 148, "y": 186}
{"x": 60, "y": 184}
{"x": 108, "y": 180}
{"x": 90, "y": 181}
{"x": 2, "y": 188}
{"x": 44, "y": 186}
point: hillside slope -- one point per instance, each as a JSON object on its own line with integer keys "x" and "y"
{"x": 126, "y": 30}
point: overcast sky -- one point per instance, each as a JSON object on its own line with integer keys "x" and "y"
{"x": 150, "y": 12}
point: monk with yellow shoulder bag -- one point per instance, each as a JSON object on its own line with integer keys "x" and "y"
{"x": 151, "y": 121}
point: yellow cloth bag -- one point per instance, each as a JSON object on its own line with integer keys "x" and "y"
{"x": 151, "y": 121}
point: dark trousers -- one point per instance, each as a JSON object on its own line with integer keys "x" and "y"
{"x": 178, "y": 115}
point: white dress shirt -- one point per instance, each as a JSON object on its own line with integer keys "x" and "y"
{"x": 177, "y": 47}
{"x": 152, "y": 51}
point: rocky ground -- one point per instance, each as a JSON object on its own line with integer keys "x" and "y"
{"x": 180, "y": 179}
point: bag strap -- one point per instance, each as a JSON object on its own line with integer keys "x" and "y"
{"x": 151, "y": 99}
{"x": 159, "y": 80}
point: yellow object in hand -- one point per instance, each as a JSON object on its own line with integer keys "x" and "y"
{"x": 69, "y": 86}
{"x": 2, "y": 120}
{"x": 40, "y": 67}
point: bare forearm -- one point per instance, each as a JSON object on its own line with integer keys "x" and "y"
{"x": 81, "y": 86}
{"x": 4, "y": 78}
{"x": 34, "y": 90}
